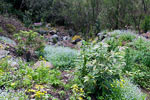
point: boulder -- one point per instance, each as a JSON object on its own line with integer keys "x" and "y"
{"x": 42, "y": 63}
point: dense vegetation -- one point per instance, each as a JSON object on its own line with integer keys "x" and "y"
{"x": 74, "y": 50}
{"x": 83, "y": 15}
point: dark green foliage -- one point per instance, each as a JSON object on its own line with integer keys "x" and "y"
{"x": 146, "y": 24}
{"x": 87, "y": 16}
{"x": 99, "y": 67}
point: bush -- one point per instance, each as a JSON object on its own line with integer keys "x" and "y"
{"x": 146, "y": 24}
{"x": 119, "y": 38}
{"x": 60, "y": 57}
{"x": 124, "y": 89}
{"x": 5, "y": 8}
{"x": 29, "y": 41}
{"x": 99, "y": 67}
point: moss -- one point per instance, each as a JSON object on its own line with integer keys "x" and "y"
{"x": 10, "y": 28}
{"x": 1, "y": 29}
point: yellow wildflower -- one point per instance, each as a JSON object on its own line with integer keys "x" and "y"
{"x": 121, "y": 85}
{"x": 30, "y": 77}
{"x": 81, "y": 90}
{"x": 111, "y": 85}
{"x": 13, "y": 84}
{"x": 31, "y": 90}
{"x": 123, "y": 81}
{"x": 80, "y": 98}
{"x": 75, "y": 86}
{"x": 39, "y": 94}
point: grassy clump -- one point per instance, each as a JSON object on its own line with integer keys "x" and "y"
{"x": 124, "y": 89}
{"x": 60, "y": 57}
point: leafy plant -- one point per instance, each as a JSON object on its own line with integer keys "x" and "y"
{"x": 43, "y": 75}
{"x": 29, "y": 40}
{"x": 99, "y": 66}
{"x": 124, "y": 89}
{"x": 146, "y": 24}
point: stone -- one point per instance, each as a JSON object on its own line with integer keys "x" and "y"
{"x": 48, "y": 25}
{"x": 3, "y": 53}
{"x": 38, "y": 24}
{"x": 42, "y": 32}
{"x": 66, "y": 38}
{"x": 54, "y": 38}
{"x": 53, "y": 32}
{"x": 76, "y": 41}
{"x": 42, "y": 63}
{"x": 101, "y": 36}
{"x": 146, "y": 35}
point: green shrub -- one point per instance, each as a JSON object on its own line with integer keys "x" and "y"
{"x": 138, "y": 62}
{"x": 43, "y": 75}
{"x": 60, "y": 57}
{"x": 146, "y": 24}
{"x": 119, "y": 38}
{"x": 99, "y": 67}
{"x": 124, "y": 89}
{"x": 5, "y": 8}
{"x": 142, "y": 76}
{"x": 29, "y": 40}
{"x": 128, "y": 37}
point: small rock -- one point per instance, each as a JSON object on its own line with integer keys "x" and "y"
{"x": 42, "y": 63}
{"x": 66, "y": 38}
{"x": 38, "y": 24}
{"x": 101, "y": 36}
{"x": 42, "y": 32}
{"x": 76, "y": 41}
{"x": 52, "y": 32}
{"x": 48, "y": 25}
{"x": 54, "y": 38}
